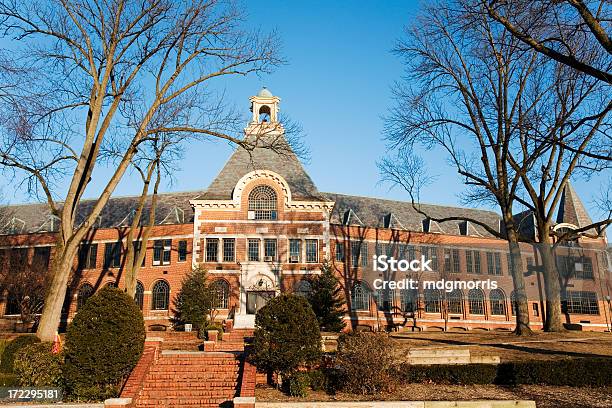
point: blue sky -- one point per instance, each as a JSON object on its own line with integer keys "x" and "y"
{"x": 336, "y": 84}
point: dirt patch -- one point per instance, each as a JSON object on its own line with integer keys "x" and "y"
{"x": 544, "y": 396}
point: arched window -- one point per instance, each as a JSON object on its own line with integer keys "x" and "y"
{"x": 497, "y": 300}
{"x": 476, "y": 301}
{"x": 220, "y": 292}
{"x": 513, "y": 303}
{"x": 360, "y": 296}
{"x": 264, "y": 114}
{"x": 262, "y": 202}
{"x": 12, "y": 305}
{"x": 408, "y": 300}
{"x": 302, "y": 288}
{"x": 139, "y": 295}
{"x": 432, "y": 301}
{"x": 455, "y": 301}
{"x": 161, "y": 295}
{"x": 85, "y": 292}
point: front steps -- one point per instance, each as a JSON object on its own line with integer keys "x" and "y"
{"x": 190, "y": 379}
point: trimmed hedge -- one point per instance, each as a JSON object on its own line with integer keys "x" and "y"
{"x": 8, "y": 380}
{"x": 594, "y": 372}
{"x": 37, "y": 366}
{"x": 103, "y": 344}
{"x": 13, "y": 346}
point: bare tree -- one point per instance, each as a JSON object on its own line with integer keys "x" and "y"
{"x": 570, "y": 32}
{"x": 91, "y": 63}
{"x": 505, "y": 101}
{"x": 465, "y": 82}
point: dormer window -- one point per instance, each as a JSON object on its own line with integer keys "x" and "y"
{"x": 262, "y": 203}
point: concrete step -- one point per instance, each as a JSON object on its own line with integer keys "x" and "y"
{"x": 438, "y": 352}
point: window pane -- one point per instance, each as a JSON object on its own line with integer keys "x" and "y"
{"x": 311, "y": 250}
{"x": 262, "y": 202}
{"x": 212, "y": 249}
{"x": 229, "y": 249}
{"x": 182, "y": 251}
{"x": 295, "y": 250}
{"x": 253, "y": 249}
{"x": 270, "y": 248}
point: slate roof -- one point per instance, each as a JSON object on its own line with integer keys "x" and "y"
{"x": 571, "y": 209}
{"x": 375, "y": 212}
{"x": 172, "y": 208}
{"x": 242, "y": 162}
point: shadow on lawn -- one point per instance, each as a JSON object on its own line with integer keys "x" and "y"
{"x": 515, "y": 347}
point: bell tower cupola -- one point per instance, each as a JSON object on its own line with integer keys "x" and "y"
{"x": 264, "y": 107}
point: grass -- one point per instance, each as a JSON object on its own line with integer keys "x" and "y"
{"x": 540, "y": 346}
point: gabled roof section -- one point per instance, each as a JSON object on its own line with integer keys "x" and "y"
{"x": 350, "y": 218}
{"x": 372, "y": 210}
{"x": 242, "y": 162}
{"x": 172, "y": 208}
{"x": 391, "y": 221}
{"x": 571, "y": 209}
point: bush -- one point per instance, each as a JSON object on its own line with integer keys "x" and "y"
{"x": 318, "y": 380}
{"x": 36, "y": 366}
{"x": 580, "y": 372}
{"x": 365, "y": 362}
{"x": 194, "y": 300}
{"x": 103, "y": 344}
{"x": 297, "y": 384}
{"x": 448, "y": 374}
{"x": 13, "y": 346}
{"x": 8, "y": 380}
{"x": 286, "y": 337}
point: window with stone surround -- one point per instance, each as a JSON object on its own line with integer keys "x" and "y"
{"x": 295, "y": 250}
{"x": 270, "y": 249}
{"x": 312, "y": 250}
{"x": 497, "y": 300}
{"x": 220, "y": 291}
{"x": 253, "y": 249}
{"x": 161, "y": 251}
{"x": 229, "y": 249}
{"x": 139, "y": 294}
{"x": 454, "y": 301}
{"x": 88, "y": 253}
{"x": 262, "y": 203}
{"x": 432, "y": 300}
{"x": 339, "y": 251}
{"x": 360, "y": 297}
{"x": 581, "y": 302}
{"x": 494, "y": 263}
{"x": 212, "y": 250}
{"x": 476, "y": 301}
{"x": 160, "y": 296}
{"x": 112, "y": 255}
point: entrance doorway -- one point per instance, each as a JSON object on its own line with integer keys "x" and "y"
{"x": 257, "y": 299}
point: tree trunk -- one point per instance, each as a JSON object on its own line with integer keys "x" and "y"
{"x": 522, "y": 306}
{"x": 54, "y": 301}
{"x": 553, "y": 321}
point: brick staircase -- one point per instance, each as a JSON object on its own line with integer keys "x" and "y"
{"x": 186, "y": 341}
{"x": 173, "y": 372}
{"x": 232, "y": 341}
{"x": 190, "y": 379}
